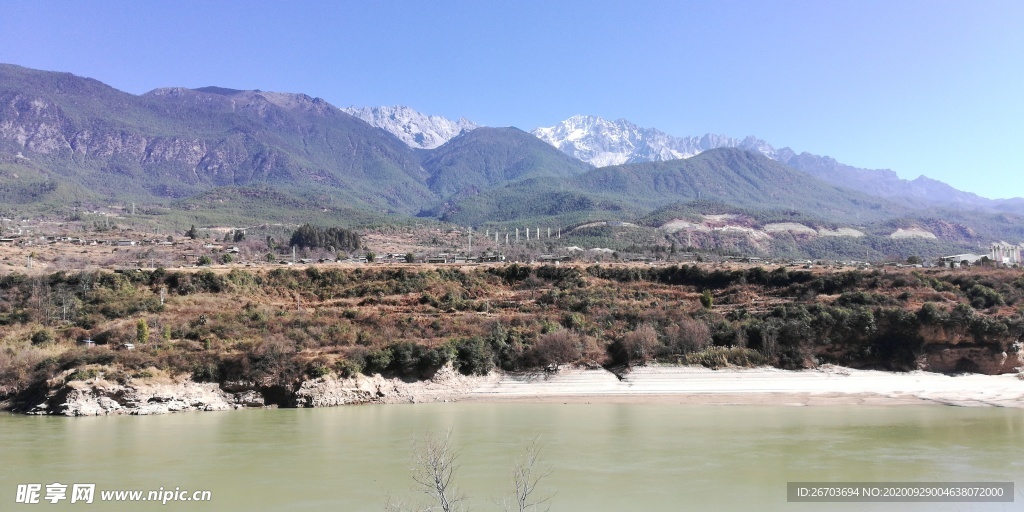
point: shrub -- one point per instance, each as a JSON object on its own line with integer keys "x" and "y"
{"x": 706, "y": 299}
{"x": 206, "y": 371}
{"x": 412, "y": 360}
{"x": 574, "y": 321}
{"x": 473, "y": 356}
{"x": 142, "y": 332}
{"x": 687, "y": 335}
{"x": 318, "y": 368}
{"x": 558, "y": 347}
{"x": 84, "y": 374}
{"x": 378, "y": 361}
{"x": 983, "y": 297}
{"x": 721, "y": 357}
{"x": 640, "y": 344}
{"x": 348, "y": 368}
{"x": 42, "y": 336}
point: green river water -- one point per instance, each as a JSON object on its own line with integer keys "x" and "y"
{"x": 604, "y": 457}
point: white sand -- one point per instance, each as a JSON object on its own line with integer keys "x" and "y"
{"x": 828, "y": 385}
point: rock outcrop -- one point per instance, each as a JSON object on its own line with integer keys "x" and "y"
{"x": 446, "y": 385}
{"x": 163, "y": 394}
{"x": 973, "y": 359}
{"x": 99, "y": 397}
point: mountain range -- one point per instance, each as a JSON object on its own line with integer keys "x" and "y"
{"x": 411, "y": 127}
{"x": 226, "y": 155}
{"x": 600, "y": 142}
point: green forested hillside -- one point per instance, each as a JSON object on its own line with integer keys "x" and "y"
{"x": 486, "y": 157}
{"x": 174, "y": 143}
{"x": 738, "y": 178}
{"x": 734, "y": 177}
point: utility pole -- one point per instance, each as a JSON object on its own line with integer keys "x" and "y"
{"x": 468, "y": 252}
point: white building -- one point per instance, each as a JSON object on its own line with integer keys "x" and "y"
{"x": 1007, "y": 254}
{"x": 955, "y": 260}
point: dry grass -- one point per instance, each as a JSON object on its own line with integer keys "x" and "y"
{"x": 297, "y": 316}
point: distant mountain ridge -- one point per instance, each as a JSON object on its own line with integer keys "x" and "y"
{"x": 411, "y": 127}
{"x": 601, "y": 143}
{"x": 176, "y": 142}
{"x": 733, "y": 176}
{"x": 79, "y": 139}
{"x": 70, "y": 144}
{"x": 487, "y": 157}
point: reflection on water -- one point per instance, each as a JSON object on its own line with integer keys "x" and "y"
{"x": 606, "y": 457}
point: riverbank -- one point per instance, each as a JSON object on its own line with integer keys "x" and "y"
{"x": 828, "y": 385}
{"x": 683, "y": 385}
{"x": 160, "y": 393}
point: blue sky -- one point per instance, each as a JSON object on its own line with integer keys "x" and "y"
{"x": 921, "y": 87}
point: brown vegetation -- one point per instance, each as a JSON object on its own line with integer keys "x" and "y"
{"x": 275, "y": 328}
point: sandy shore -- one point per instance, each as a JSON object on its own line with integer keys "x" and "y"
{"x": 689, "y": 385}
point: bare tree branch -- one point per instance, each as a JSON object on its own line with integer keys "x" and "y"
{"x": 526, "y": 476}
{"x": 434, "y": 465}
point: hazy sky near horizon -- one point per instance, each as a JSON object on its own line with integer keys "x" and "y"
{"x": 932, "y": 87}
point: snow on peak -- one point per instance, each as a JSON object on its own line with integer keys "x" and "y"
{"x": 600, "y": 142}
{"x": 415, "y": 129}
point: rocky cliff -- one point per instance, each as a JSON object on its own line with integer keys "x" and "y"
{"x": 98, "y": 396}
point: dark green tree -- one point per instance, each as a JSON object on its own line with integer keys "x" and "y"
{"x": 142, "y": 332}
{"x": 706, "y": 299}
{"x": 312, "y": 237}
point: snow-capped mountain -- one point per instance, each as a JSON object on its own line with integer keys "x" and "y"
{"x": 600, "y": 142}
{"x": 414, "y": 128}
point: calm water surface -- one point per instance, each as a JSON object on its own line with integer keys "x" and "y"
{"x": 605, "y": 457}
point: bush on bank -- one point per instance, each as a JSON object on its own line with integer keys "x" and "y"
{"x": 286, "y": 325}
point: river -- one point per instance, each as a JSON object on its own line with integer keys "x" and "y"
{"x": 603, "y": 457}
